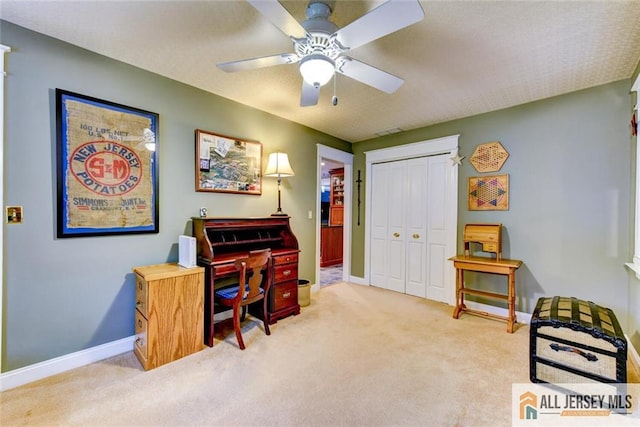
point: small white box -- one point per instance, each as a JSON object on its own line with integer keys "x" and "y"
{"x": 187, "y": 251}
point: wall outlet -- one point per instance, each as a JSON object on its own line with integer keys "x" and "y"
{"x": 310, "y": 215}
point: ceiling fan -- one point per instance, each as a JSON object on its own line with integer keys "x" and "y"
{"x": 320, "y": 46}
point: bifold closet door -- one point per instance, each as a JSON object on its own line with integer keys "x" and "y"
{"x": 398, "y": 225}
{"x": 408, "y": 226}
{"x": 379, "y": 224}
{"x": 396, "y": 228}
{"x": 416, "y": 218}
{"x": 439, "y": 225}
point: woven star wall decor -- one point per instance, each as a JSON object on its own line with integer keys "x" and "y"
{"x": 489, "y": 157}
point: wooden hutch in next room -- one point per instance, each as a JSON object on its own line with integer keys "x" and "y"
{"x": 220, "y": 241}
{"x": 336, "y": 194}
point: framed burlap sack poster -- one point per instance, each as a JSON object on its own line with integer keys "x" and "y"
{"x": 107, "y": 167}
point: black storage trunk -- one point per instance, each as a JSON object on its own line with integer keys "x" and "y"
{"x": 576, "y": 341}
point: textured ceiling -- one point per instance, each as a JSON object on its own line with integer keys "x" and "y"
{"x": 464, "y": 58}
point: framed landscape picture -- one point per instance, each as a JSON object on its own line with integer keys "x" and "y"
{"x": 227, "y": 165}
{"x": 107, "y": 167}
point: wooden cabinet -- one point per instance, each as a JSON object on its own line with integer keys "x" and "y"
{"x": 336, "y": 195}
{"x": 330, "y": 245}
{"x": 283, "y": 297}
{"x": 169, "y": 315}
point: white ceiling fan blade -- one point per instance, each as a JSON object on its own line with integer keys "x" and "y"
{"x": 310, "y": 94}
{"x": 279, "y": 16}
{"x": 265, "y": 61}
{"x": 384, "y": 19}
{"x": 369, "y": 75}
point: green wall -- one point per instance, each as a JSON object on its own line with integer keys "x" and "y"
{"x": 65, "y": 295}
{"x": 570, "y": 215}
{"x": 571, "y": 168}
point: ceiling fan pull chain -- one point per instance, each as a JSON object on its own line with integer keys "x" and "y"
{"x": 334, "y": 100}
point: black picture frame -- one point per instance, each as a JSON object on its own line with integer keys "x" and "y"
{"x": 107, "y": 174}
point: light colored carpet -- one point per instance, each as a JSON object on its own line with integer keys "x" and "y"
{"x": 357, "y": 356}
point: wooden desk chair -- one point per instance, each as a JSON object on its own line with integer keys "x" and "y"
{"x": 255, "y": 274}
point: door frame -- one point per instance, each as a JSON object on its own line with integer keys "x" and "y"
{"x": 329, "y": 153}
{"x": 444, "y": 145}
{"x": 3, "y": 50}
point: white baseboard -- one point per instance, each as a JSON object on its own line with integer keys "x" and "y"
{"x": 38, "y": 371}
{"x": 357, "y": 280}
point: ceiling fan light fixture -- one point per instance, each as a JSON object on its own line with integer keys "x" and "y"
{"x": 317, "y": 69}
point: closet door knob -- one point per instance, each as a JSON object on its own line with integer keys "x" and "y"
{"x": 416, "y": 236}
{"x": 396, "y": 234}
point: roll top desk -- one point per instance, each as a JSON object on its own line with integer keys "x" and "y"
{"x": 220, "y": 241}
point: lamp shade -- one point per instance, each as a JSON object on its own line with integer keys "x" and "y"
{"x": 278, "y": 166}
{"x": 317, "y": 69}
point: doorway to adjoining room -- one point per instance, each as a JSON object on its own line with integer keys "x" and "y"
{"x": 332, "y": 200}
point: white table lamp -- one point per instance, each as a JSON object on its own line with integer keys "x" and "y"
{"x": 278, "y": 166}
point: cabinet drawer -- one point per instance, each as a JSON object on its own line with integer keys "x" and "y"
{"x": 284, "y": 295}
{"x": 490, "y": 247}
{"x": 285, "y": 259}
{"x": 140, "y": 342}
{"x": 283, "y": 273}
{"x": 142, "y": 292}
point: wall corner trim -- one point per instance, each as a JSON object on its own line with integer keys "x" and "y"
{"x": 58, "y": 365}
{"x": 633, "y": 356}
